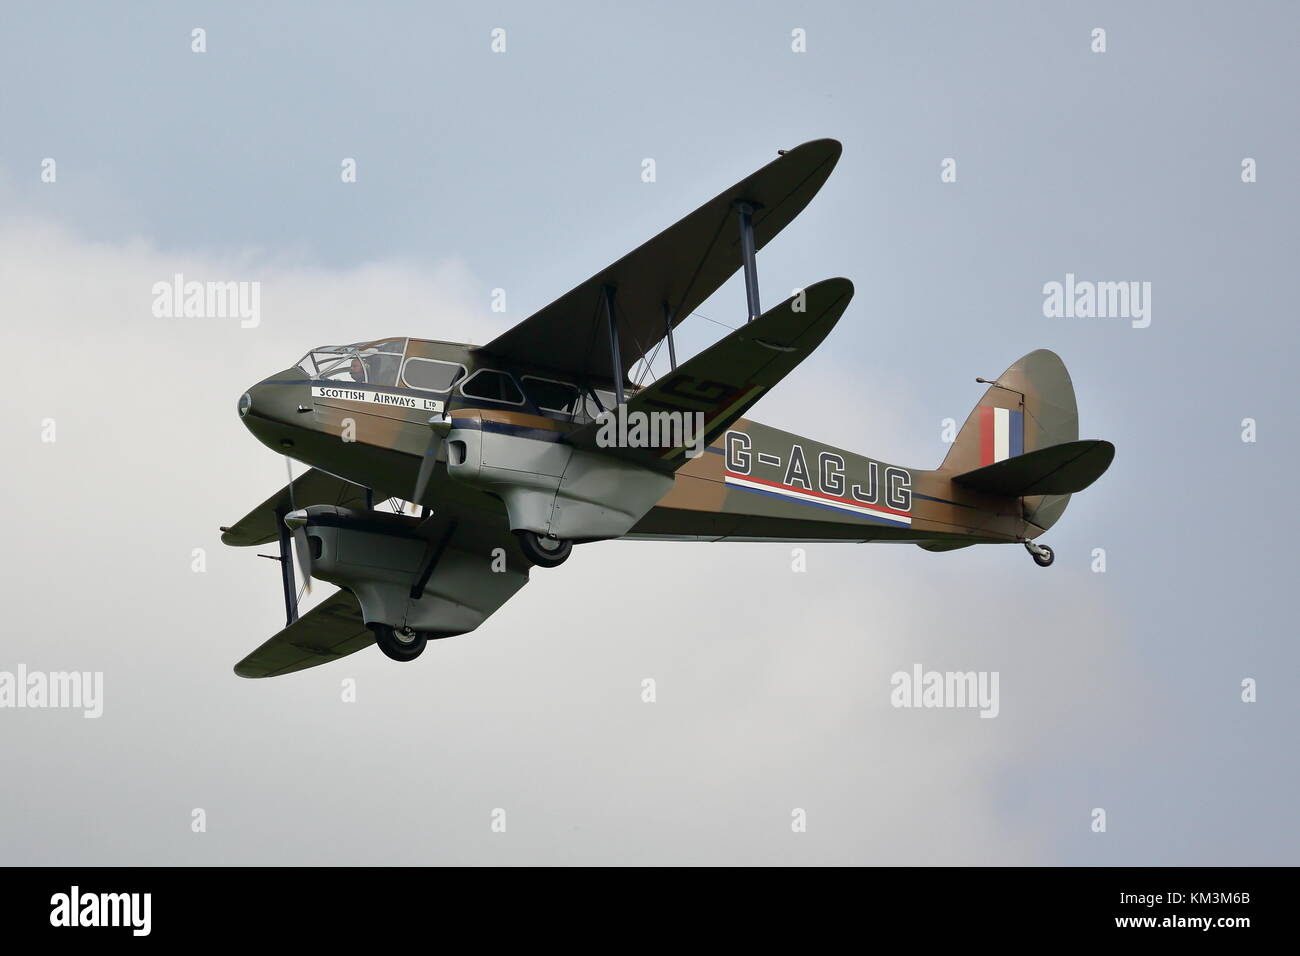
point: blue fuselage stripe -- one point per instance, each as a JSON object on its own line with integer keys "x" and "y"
{"x": 818, "y": 504}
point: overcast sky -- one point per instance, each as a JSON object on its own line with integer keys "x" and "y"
{"x": 521, "y": 170}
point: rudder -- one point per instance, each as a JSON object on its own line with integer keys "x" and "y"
{"x": 1031, "y": 407}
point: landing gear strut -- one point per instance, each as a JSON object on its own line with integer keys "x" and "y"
{"x": 1043, "y": 555}
{"x": 399, "y": 644}
{"x": 544, "y": 552}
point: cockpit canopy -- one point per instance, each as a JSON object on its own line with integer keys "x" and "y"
{"x": 386, "y": 363}
{"x": 374, "y": 363}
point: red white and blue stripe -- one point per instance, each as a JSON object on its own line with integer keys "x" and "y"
{"x": 1002, "y": 434}
{"x": 819, "y": 499}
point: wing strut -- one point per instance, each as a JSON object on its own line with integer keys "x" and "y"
{"x": 745, "y": 214}
{"x": 607, "y": 296}
{"x": 745, "y": 210}
{"x": 286, "y": 568}
{"x": 672, "y": 351}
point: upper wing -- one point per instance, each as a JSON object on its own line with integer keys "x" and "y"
{"x": 679, "y": 268}
{"x": 466, "y": 585}
{"x": 724, "y": 380}
{"x": 310, "y": 488}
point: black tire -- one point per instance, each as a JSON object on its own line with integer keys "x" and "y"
{"x": 399, "y": 646}
{"x": 544, "y": 552}
{"x": 1043, "y": 560}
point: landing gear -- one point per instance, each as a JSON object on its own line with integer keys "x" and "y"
{"x": 1043, "y": 555}
{"x": 544, "y": 552}
{"x": 399, "y": 644}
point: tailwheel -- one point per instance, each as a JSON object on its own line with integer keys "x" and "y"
{"x": 399, "y": 644}
{"x": 543, "y": 551}
{"x": 1043, "y": 555}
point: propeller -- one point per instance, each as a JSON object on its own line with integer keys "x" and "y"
{"x": 440, "y": 427}
{"x": 297, "y": 520}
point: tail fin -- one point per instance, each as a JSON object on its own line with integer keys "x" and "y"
{"x": 1030, "y": 407}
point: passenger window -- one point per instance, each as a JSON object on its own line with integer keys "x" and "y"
{"x": 552, "y": 396}
{"x": 493, "y": 386}
{"x": 431, "y": 374}
{"x": 608, "y": 400}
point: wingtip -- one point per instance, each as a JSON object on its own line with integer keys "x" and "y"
{"x": 838, "y": 283}
{"x": 831, "y": 147}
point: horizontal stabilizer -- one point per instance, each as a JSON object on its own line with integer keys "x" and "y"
{"x": 1055, "y": 470}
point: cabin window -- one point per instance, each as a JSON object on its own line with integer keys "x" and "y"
{"x": 431, "y": 374}
{"x": 552, "y": 396}
{"x": 493, "y": 386}
{"x": 607, "y": 400}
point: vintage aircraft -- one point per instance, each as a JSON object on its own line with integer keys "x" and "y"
{"x": 512, "y": 452}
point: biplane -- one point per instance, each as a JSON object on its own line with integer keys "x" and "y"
{"x": 507, "y": 454}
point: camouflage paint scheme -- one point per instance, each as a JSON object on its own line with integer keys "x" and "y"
{"x": 702, "y": 505}
{"x": 1006, "y": 478}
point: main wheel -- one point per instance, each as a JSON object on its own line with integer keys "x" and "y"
{"x": 1043, "y": 560}
{"x": 399, "y": 645}
{"x": 544, "y": 552}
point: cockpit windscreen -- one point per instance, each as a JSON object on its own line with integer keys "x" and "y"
{"x": 373, "y": 364}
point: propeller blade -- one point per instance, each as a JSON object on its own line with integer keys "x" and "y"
{"x": 301, "y": 548}
{"x": 302, "y": 556}
{"x": 440, "y": 428}
{"x": 297, "y": 521}
{"x": 288, "y": 468}
{"x": 426, "y": 468}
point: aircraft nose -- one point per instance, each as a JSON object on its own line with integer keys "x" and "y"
{"x": 273, "y": 400}
{"x": 259, "y": 402}
{"x": 276, "y": 411}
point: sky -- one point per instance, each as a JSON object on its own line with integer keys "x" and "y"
{"x": 521, "y": 170}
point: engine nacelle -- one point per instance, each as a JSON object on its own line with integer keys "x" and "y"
{"x": 382, "y": 558}
{"x": 550, "y": 487}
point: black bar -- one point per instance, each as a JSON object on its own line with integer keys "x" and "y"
{"x": 229, "y": 905}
